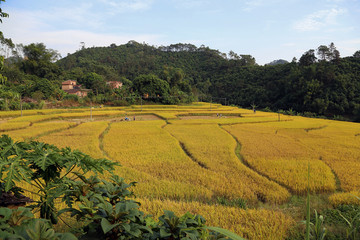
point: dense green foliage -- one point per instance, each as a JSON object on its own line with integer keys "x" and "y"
{"x": 20, "y": 224}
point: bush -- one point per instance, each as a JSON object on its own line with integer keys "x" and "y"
{"x": 72, "y": 97}
{"x": 20, "y": 224}
{"x": 120, "y": 103}
{"x": 37, "y": 95}
{"x": 309, "y": 114}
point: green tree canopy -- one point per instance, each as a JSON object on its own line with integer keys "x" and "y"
{"x": 39, "y": 61}
{"x": 308, "y": 58}
{"x": 150, "y": 84}
{"x": 95, "y": 82}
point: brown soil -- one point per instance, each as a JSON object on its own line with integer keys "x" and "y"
{"x": 138, "y": 118}
{"x": 205, "y": 117}
{"x": 117, "y": 119}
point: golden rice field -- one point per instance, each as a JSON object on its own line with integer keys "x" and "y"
{"x": 186, "y": 158}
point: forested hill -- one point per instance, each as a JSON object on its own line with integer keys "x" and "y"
{"x": 327, "y": 86}
{"x": 132, "y": 59}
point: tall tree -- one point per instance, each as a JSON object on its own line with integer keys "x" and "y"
{"x": 247, "y": 60}
{"x": 233, "y": 55}
{"x": 151, "y": 85}
{"x": 95, "y": 82}
{"x": 39, "y": 52}
{"x": 307, "y": 58}
{"x": 323, "y": 52}
{"x": 333, "y": 54}
{"x": 39, "y": 61}
{"x": 357, "y": 54}
{"x": 2, "y": 15}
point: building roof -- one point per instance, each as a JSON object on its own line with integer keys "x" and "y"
{"x": 67, "y": 82}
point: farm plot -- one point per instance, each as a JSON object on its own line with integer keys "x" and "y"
{"x": 214, "y": 148}
{"x": 283, "y": 158}
{"x": 84, "y": 137}
{"x": 339, "y": 147}
{"x": 334, "y": 143}
{"x": 147, "y": 147}
{"x": 8, "y": 126}
{"x": 38, "y": 129}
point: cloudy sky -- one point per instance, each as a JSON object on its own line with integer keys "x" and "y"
{"x": 266, "y": 29}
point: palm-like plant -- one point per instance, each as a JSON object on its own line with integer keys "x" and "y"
{"x": 46, "y": 168}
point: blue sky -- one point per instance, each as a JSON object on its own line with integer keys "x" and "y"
{"x": 265, "y": 29}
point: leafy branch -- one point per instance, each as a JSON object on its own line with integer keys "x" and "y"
{"x": 42, "y": 166}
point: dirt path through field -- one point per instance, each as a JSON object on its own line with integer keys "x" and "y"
{"x": 205, "y": 117}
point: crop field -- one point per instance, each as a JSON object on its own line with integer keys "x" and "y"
{"x": 237, "y": 168}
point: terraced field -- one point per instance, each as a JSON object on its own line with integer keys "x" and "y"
{"x": 210, "y": 159}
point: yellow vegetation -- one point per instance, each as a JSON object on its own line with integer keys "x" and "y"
{"x": 251, "y": 224}
{"x": 34, "y": 118}
{"x": 84, "y": 137}
{"x": 282, "y": 157}
{"x": 38, "y": 129}
{"x": 192, "y": 159}
{"x": 7, "y": 126}
{"x": 213, "y": 148}
{"x": 345, "y": 198}
{"x": 145, "y": 146}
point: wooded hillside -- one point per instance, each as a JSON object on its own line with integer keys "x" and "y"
{"x": 327, "y": 86}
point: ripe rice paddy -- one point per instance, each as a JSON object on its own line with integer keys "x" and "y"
{"x": 194, "y": 158}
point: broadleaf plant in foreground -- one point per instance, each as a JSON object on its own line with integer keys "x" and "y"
{"x": 46, "y": 168}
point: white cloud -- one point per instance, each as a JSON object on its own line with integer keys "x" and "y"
{"x": 189, "y": 3}
{"x": 25, "y": 27}
{"x": 318, "y": 20}
{"x": 254, "y": 4}
{"x": 348, "y": 47}
{"x": 288, "y": 44}
{"x": 68, "y": 41}
{"x": 335, "y": 1}
{"x": 78, "y": 15}
{"x": 127, "y": 5}
{"x": 251, "y": 4}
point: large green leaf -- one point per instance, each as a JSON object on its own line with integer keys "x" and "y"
{"x": 107, "y": 226}
{"x": 41, "y": 230}
{"x": 7, "y": 235}
{"x": 43, "y": 155}
{"x": 13, "y": 172}
{"x": 225, "y": 232}
{"x": 5, "y": 213}
{"x": 65, "y": 236}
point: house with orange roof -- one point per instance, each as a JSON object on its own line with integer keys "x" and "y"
{"x": 71, "y": 87}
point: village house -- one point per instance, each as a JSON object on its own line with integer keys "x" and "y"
{"x": 71, "y": 87}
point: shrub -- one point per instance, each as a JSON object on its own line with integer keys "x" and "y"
{"x": 20, "y": 224}
{"x": 71, "y": 97}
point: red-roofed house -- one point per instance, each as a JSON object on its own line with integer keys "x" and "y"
{"x": 68, "y": 84}
{"x": 71, "y": 87}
